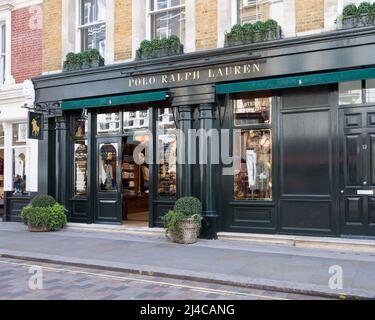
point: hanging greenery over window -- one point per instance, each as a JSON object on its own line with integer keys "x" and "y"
{"x": 87, "y": 59}
{"x": 249, "y": 33}
{"x": 361, "y": 16}
{"x": 158, "y": 48}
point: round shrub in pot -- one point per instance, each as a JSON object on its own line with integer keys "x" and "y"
{"x": 183, "y": 223}
{"x": 44, "y": 214}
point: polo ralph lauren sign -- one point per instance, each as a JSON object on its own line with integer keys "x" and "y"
{"x": 35, "y": 125}
{"x": 220, "y": 73}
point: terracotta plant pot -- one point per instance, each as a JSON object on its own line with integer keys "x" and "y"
{"x": 37, "y": 229}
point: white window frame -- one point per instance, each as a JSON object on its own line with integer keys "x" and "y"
{"x": 156, "y": 11}
{"x": 25, "y": 146}
{"x": 3, "y": 52}
{"x": 80, "y": 26}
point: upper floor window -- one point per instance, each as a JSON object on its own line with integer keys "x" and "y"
{"x": 2, "y": 53}
{"x": 93, "y": 25}
{"x": 251, "y": 11}
{"x": 167, "y": 18}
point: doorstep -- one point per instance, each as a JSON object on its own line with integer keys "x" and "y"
{"x": 327, "y": 243}
{"x": 115, "y": 228}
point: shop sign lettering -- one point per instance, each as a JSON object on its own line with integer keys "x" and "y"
{"x": 220, "y": 73}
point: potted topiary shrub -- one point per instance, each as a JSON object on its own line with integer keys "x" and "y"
{"x": 350, "y": 16}
{"x": 272, "y": 30}
{"x": 259, "y": 31}
{"x": 69, "y": 62}
{"x": 77, "y": 61}
{"x": 183, "y": 223}
{"x": 158, "y": 48}
{"x": 175, "y": 45}
{"x": 86, "y": 63}
{"x": 96, "y": 60}
{"x": 248, "y": 33}
{"x": 363, "y": 12}
{"x": 237, "y": 32}
{"x": 44, "y": 214}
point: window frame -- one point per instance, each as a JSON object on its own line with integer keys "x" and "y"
{"x": 81, "y": 26}
{"x": 153, "y": 12}
{"x": 27, "y": 147}
{"x": 256, "y": 127}
{"x": 363, "y": 94}
{"x": 3, "y": 52}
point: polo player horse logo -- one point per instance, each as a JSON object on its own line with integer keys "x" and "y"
{"x": 35, "y": 129}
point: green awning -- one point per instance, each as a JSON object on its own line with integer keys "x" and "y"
{"x": 115, "y": 100}
{"x": 297, "y": 81}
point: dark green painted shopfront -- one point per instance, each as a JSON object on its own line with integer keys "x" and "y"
{"x": 298, "y": 114}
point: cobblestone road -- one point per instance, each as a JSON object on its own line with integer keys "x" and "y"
{"x": 66, "y": 282}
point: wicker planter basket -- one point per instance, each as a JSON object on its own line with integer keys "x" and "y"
{"x": 37, "y": 229}
{"x": 188, "y": 233}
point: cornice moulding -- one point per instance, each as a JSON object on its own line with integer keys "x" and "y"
{"x": 6, "y": 5}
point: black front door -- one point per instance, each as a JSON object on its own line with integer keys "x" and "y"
{"x": 357, "y": 171}
{"x": 108, "y": 180}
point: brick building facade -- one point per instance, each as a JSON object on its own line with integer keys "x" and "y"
{"x": 21, "y": 59}
{"x": 205, "y": 22}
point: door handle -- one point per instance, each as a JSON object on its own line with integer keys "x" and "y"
{"x": 342, "y": 191}
{"x": 365, "y": 183}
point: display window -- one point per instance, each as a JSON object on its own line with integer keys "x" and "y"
{"x": 166, "y": 146}
{"x": 253, "y": 172}
{"x": 19, "y": 157}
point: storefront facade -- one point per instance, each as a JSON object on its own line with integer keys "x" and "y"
{"x": 299, "y": 114}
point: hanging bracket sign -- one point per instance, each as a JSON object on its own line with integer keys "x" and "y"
{"x": 35, "y": 125}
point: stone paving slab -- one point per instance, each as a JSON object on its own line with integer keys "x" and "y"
{"x": 270, "y": 268}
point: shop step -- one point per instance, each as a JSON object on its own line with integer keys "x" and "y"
{"x": 326, "y": 243}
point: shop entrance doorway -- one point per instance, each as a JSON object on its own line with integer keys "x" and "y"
{"x": 135, "y": 184}
{"x": 122, "y": 175}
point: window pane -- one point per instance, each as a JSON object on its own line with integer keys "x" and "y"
{"x": 108, "y": 123}
{"x": 253, "y": 175}
{"x": 136, "y": 120}
{"x": 94, "y": 38}
{"x": 80, "y": 168}
{"x": 81, "y": 127}
{"x": 19, "y": 170}
{"x": 168, "y": 23}
{"x": 166, "y": 146}
{"x": 350, "y": 92}
{"x": 370, "y": 90}
{"x": 19, "y": 133}
{"x": 92, "y": 11}
{"x": 108, "y": 166}
{"x": 249, "y": 111}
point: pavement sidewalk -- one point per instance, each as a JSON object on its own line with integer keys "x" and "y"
{"x": 268, "y": 267}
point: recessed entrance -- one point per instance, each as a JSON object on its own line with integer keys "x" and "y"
{"x": 123, "y": 176}
{"x": 135, "y": 184}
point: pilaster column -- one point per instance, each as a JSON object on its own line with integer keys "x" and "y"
{"x": 184, "y": 169}
{"x": 207, "y": 117}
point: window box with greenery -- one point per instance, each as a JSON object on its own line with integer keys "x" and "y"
{"x": 183, "y": 223}
{"x": 158, "y": 48}
{"x": 361, "y": 16}
{"x": 44, "y": 214}
{"x": 250, "y": 33}
{"x": 84, "y": 60}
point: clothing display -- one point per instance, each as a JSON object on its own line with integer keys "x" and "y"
{"x": 253, "y": 178}
{"x": 251, "y": 160}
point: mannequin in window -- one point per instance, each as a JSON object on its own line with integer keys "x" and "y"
{"x": 109, "y": 182}
{"x": 264, "y": 164}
